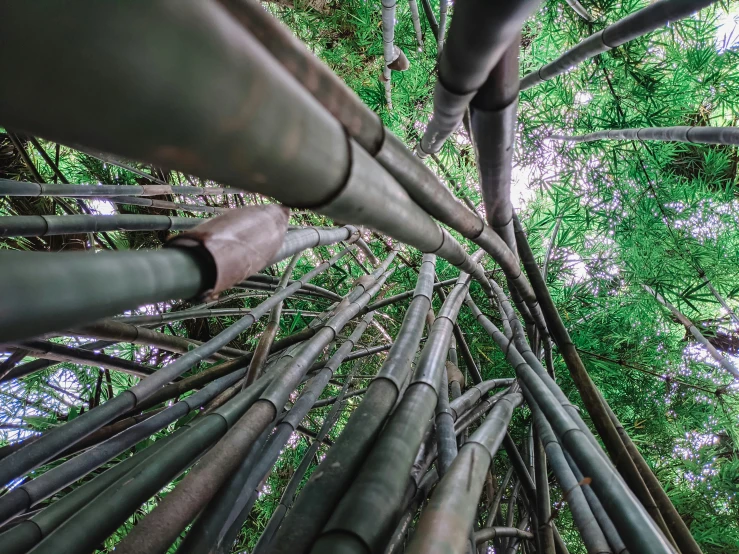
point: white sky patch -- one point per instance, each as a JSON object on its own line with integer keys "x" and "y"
{"x": 521, "y": 189}
{"x": 727, "y": 31}
{"x": 583, "y": 98}
{"x": 101, "y": 207}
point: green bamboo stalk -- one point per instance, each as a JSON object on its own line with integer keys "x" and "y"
{"x": 446, "y": 522}
{"x": 335, "y": 473}
{"x": 629, "y": 28}
{"x": 163, "y": 525}
{"x": 51, "y": 225}
{"x": 379, "y": 487}
{"x": 692, "y": 135}
{"x": 478, "y": 37}
{"x": 20, "y": 188}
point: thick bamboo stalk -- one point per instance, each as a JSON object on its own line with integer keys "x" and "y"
{"x": 441, "y": 34}
{"x": 594, "y": 403}
{"x": 723, "y": 361}
{"x": 446, "y": 440}
{"x": 223, "y": 517}
{"x": 69, "y": 289}
{"x": 493, "y": 125}
{"x": 163, "y": 525}
{"x": 692, "y": 135}
{"x": 446, "y": 522}
{"x": 635, "y": 526}
{"x": 543, "y": 501}
{"x": 50, "y": 225}
{"x": 335, "y": 473}
{"x": 20, "y": 188}
{"x": 62, "y": 437}
{"x": 379, "y": 487}
{"x": 629, "y": 28}
{"x": 430, "y": 17}
{"x": 479, "y": 35}
{"x": 62, "y": 353}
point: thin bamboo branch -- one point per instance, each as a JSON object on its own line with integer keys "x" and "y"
{"x": 19, "y": 188}
{"x": 580, "y": 10}
{"x": 692, "y": 135}
{"x": 629, "y": 28}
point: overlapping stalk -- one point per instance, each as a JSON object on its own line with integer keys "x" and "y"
{"x": 20, "y": 188}
{"x": 317, "y": 501}
{"x": 633, "y": 26}
{"x": 164, "y": 524}
{"x": 50, "y": 225}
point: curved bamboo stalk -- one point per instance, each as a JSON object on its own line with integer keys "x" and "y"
{"x": 490, "y": 533}
{"x": 446, "y": 522}
{"x": 60, "y": 438}
{"x": 580, "y": 10}
{"x": 723, "y": 361}
{"x": 171, "y": 516}
{"x": 379, "y": 486}
{"x": 335, "y": 473}
{"x": 633, "y": 26}
{"x": 63, "y": 353}
{"x": 479, "y": 35}
{"x": 50, "y": 225}
{"x": 20, "y": 188}
{"x": 692, "y": 135}
{"x": 37, "y": 365}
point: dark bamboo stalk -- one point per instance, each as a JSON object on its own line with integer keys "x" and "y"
{"x": 543, "y": 501}
{"x": 446, "y": 522}
{"x": 441, "y": 33}
{"x": 430, "y": 17}
{"x": 579, "y": 10}
{"x": 379, "y": 487}
{"x": 479, "y": 35}
{"x": 413, "y": 4}
{"x": 37, "y": 365}
{"x": 329, "y": 401}
{"x": 629, "y": 28}
{"x": 50, "y": 225}
{"x": 62, "y": 353}
{"x": 446, "y": 440}
{"x": 490, "y": 533}
{"x": 335, "y": 473}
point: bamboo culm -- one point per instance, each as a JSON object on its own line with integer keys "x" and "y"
{"x": 692, "y": 135}
{"x": 335, "y": 473}
{"x": 20, "y": 188}
{"x": 629, "y": 28}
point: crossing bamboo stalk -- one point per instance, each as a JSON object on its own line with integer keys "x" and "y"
{"x": 163, "y": 525}
{"x": 446, "y": 522}
{"x": 313, "y": 507}
{"x": 631, "y": 27}
{"x": 223, "y": 517}
{"x": 379, "y": 486}
{"x": 578, "y": 8}
{"x": 692, "y": 135}
{"x": 490, "y": 533}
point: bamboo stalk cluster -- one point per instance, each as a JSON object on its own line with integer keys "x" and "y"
{"x": 308, "y": 142}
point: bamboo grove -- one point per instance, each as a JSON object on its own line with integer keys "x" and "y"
{"x": 369, "y": 277}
